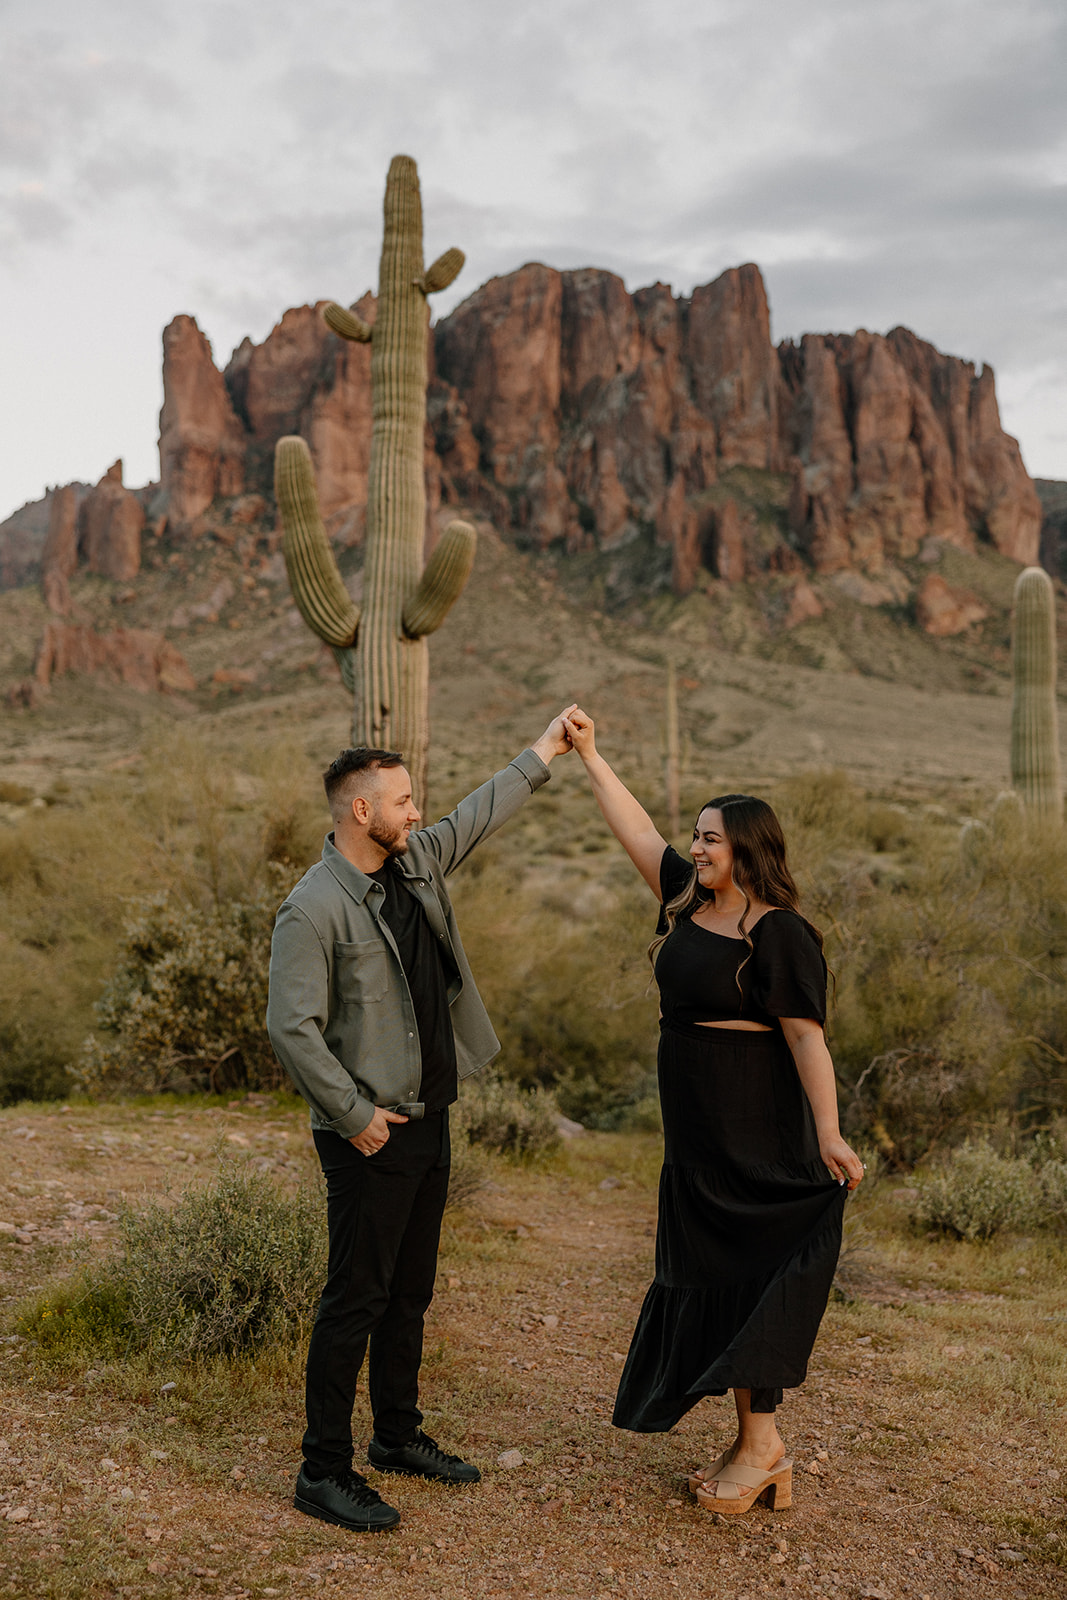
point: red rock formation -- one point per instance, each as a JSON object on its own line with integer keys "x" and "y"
{"x": 201, "y": 442}
{"x": 734, "y": 369}
{"x": 60, "y": 555}
{"x": 109, "y": 528}
{"x": 891, "y": 443}
{"x": 133, "y": 656}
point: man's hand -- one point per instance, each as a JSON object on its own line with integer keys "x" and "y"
{"x": 555, "y": 740}
{"x": 376, "y": 1133}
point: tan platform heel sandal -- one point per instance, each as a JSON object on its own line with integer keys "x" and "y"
{"x": 738, "y": 1488}
{"x": 697, "y": 1480}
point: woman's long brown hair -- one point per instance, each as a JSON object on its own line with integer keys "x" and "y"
{"x": 755, "y": 836}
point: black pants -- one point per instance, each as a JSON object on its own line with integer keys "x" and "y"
{"x": 384, "y": 1214}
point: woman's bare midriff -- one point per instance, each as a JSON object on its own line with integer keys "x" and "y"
{"x": 735, "y": 1027}
{"x": 738, "y": 1027}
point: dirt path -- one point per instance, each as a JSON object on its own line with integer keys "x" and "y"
{"x": 908, "y": 1481}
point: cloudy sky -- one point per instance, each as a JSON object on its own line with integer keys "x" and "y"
{"x": 884, "y": 161}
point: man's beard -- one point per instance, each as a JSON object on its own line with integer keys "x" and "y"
{"x": 391, "y": 840}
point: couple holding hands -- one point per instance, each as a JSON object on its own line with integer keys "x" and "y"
{"x": 375, "y": 1015}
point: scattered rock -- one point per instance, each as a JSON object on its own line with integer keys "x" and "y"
{"x": 510, "y": 1459}
{"x": 568, "y": 1129}
{"x": 18, "y": 1514}
{"x": 610, "y": 1183}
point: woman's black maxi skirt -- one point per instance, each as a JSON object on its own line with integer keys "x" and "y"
{"x": 749, "y": 1229}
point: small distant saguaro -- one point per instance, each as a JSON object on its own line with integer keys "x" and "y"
{"x": 381, "y": 648}
{"x": 1035, "y": 746}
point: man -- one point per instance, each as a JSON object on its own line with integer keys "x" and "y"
{"x": 374, "y": 1014}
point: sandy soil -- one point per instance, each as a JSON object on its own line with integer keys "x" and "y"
{"x": 909, "y": 1480}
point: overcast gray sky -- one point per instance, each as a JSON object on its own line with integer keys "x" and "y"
{"x": 884, "y": 161}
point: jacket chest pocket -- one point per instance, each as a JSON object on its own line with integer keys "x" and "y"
{"x": 360, "y": 972}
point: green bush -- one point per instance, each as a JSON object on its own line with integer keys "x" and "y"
{"x": 975, "y": 1192}
{"x": 232, "y": 1266}
{"x": 196, "y": 825}
{"x": 500, "y": 1116}
{"x": 185, "y": 1008}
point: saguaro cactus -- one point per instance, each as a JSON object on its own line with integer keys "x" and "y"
{"x": 382, "y": 648}
{"x": 1035, "y": 753}
{"x": 672, "y": 765}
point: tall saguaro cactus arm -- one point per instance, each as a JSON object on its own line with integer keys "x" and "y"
{"x": 346, "y": 323}
{"x": 382, "y": 651}
{"x": 322, "y": 599}
{"x": 443, "y": 581}
{"x": 1035, "y": 754}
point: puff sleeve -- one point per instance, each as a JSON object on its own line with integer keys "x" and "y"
{"x": 674, "y": 873}
{"x": 790, "y": 975}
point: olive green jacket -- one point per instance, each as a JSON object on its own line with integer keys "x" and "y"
{"x": 339, "y": 1013}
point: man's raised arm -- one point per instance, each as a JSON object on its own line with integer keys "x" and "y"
{"x": 482, "y": 812}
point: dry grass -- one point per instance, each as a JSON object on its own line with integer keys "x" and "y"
{"x": 933, "y": 1411}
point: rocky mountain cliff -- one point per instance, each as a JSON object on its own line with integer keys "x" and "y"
{"x": 583, "y": 418}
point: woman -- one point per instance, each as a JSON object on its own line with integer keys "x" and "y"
{"x": 755, "y": 1169}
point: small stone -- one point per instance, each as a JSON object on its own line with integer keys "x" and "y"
{"x": 610, "y": 1183}
{"x": 814, "y": 1468}
{"x": 153, "y": 1535}
{"x": 510, "y": 1459}
{"x": 109, "y": 1465}
{"x": 520, "y": 1232}
{"x": 953, "y": 1351}
{"x": 126, "y": 1493}
{"x": 778, "y": 1559}
{"x": 19, "y": 1514}
{"x": 158, "y": 1455}
{"x": 168, "y": 1388}
{"x": 552, "y": 1321}
{"x": 674, "y": 1502}
{"x": 237, "y": 1474}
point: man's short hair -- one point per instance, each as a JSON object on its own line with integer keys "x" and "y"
{"x": 352, "y": 764}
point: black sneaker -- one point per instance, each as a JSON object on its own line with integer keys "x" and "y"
{"x": 345, "y": 1499}
{"x": 421, "y": 1457}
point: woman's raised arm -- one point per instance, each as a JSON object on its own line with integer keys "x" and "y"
{"x": 625, "y": 816}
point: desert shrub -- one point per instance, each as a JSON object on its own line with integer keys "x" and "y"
{"x": 197, "y": 826}
{"x": 975, "y": 1192}
{"x": 469, "y": 1173}
{"x": 572, "y": 1003}
{"x": 501, "y": 1116}
{"x": 29, "y": 1069}
{"x": 232, "y": 1266}
{"x": 185, "y": 1008}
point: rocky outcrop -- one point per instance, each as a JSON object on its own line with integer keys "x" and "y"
{"x": 890, "y": 442}
{"x": 202, "y": 443}
{"x": 135, "y": 657}
{"x": 109, "y": 528}
{"x": 944, "y": 610}
{"x": 60, "y": 556}
{"x": 575, "y": 413}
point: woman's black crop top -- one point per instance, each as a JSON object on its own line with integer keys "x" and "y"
{"x": 697, "y": 970}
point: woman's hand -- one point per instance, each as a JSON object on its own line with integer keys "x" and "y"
{"x": 581, "y": 732}
{"x": 841, "y": 1160}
